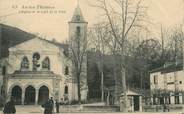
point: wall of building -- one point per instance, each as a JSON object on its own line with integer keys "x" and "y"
{"x": 58, "y": 63}
{"x": 35, "y": 46}
{"x": 169, "y": 87}
{"x": 36, "y": 83}
{"x": 159, "y": 81}
{"x": 180, "y": 80}
{"x": 170, "y": 81}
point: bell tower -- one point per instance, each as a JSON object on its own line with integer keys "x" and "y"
{"x": 77, "y": 27}
{"x": 78, "y": 43}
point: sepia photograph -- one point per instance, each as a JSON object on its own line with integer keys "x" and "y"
{"x": 91, "y": 56}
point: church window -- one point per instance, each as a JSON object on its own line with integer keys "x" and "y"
{"x": 155, "y": 79}
{"x": 46, "y": 63}
{"x": 78, "y": 17}
{"x": 25, "y": 63}
{"x": 78, "y": 31}
{"x": 36, "y": 57}
{"x": 180, "y": 82}
{"x": 66, "y": 89}
{"x": 66, "y": 70}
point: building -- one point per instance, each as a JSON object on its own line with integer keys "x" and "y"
{"x": 9, "y": 36}
{"x": 167, "y": 84}
{"x": 35, "y": 69}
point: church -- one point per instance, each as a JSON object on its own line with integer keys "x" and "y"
{"x": 34, "y": 69}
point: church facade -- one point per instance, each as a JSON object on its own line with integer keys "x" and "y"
{"x": 37, "y": 69}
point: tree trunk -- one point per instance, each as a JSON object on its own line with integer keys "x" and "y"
{"x": 78, "y": 87}
{"x": 124, "y": 89}
{"x": 116, "y": 79}
{"x": 102, "y": 85}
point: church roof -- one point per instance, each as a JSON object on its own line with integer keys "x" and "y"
{"x": 78, "y": 16}
{"x": 63, "y": 46}
{"x": 11, "y": 36}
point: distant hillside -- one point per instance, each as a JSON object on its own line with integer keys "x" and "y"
{"x": 11, "y": 36}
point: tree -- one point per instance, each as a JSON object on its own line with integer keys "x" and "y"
{"x": 100, "y": 47}
{"x": 99, "y": 33}
{"x": 148, "y": 57}
{"x": 122, "y": 17}
{"x": 175, "y": 44}
{"x": 78, "y": 51}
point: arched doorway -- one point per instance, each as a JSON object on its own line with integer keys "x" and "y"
{"x": 16, "y": 93}
{"x": 43, "y": 94}
{"x": 30, "y": 95}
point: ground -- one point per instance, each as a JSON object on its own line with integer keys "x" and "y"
{"x": 39, "y": 110}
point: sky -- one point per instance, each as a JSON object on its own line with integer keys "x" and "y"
{"x": 47, "y": 25}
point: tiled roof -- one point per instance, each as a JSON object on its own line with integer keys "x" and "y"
{"x": 168, "y": 68}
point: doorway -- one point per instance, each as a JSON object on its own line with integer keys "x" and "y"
{"x": 136, "y": 103}
{"x": 16, "y": 93}
{"x": 43, "y": 94}
{"x": 30, "y": 95}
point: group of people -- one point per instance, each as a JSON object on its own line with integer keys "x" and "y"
{"x": 49, "y": 106}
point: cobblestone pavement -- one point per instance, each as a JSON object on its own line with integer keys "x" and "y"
{"x": 39, "y": 110}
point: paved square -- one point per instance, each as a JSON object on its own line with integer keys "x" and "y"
{"x": 39, "y": 110}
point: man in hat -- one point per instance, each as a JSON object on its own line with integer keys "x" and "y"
{"x": 9, "y": 107}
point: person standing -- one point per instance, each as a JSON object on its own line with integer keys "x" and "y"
{"x": 52, "y": 103}
{"x": 47, "y": 107}
{"x": 9, "y": 107}
{"x": 57, "y": 106}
